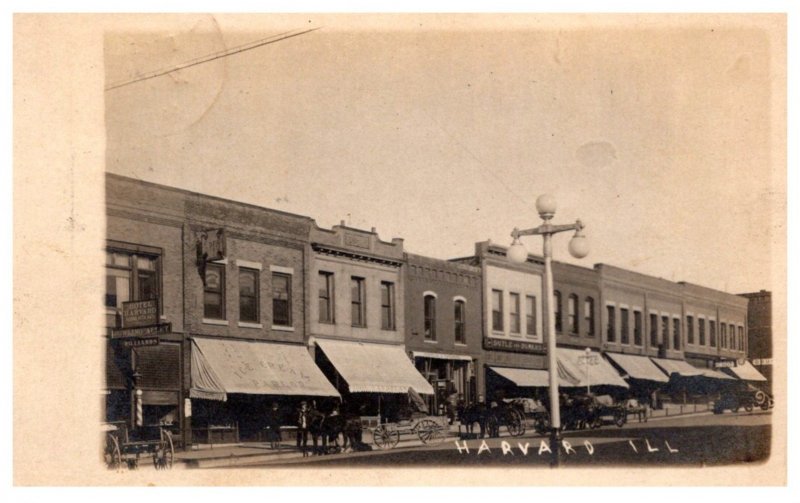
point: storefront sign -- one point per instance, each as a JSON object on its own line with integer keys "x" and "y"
{"x": 137, "y": 342}
{"x": 211, "y": 245}
{"x": 140, "y": 313}
{"x": 510, "y": 345}
{"x": 126, "y": 333}
{"x": 725, "y": 364}
{"x": 762, "y": 361}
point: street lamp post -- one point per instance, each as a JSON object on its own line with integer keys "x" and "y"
{"x": 588, "y": 362}
{"x": 579, "y": 248}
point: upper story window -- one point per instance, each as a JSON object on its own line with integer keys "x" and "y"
{"x": 572, "y": 314}
{"x": 513, "y": 311}
{"x": 732, "y": 329}
{"x": 358, "y": 312}
{"x": 557, "y": 310}
{"x": 690, "y": 329}
{"x": 248, "y": 295}
{"x": 637, "y": 328}
{"x": 723, "y": 335}
{"x": 325, "y": 296}
{"x": 676, "y": 333}
{"x": 497, "y": 310}
{"x": 701, "y": 331}
{"x": 665, "y": 331}
{"x": 624, "y": 337}
{"x": 281, "y": 299}
{"x": 653, "y": 330}
{"x": 741, "y": 338}
{"x": 387, "y": 305}
{"x": 460, "y": 319}
{"x": 430, "y": 317}
{"x": 130, "y": 276}
{"x": 712, "y": 333}
{"x": 611, "y": 328}
{"x": 214, "y": 292}
{"x": 530, "y": 315}
{"x": 588, "y": 313}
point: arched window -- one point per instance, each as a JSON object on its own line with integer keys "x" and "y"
{"x": 430, "y": 317}
{"x": 460, "y": 319}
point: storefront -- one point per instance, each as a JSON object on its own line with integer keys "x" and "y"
{"x": 234, "y": 382}
{"x": 373, "y": 379}
{"x": 643, "y": 376}
{"x": 451, "y": 376}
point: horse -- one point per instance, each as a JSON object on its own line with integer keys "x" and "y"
{"x": 468, "y": 415}
{"x": 325, "y": 430}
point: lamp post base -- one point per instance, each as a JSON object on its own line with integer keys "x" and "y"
{"x": 555, "y": 447}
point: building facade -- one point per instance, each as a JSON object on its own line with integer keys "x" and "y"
{"x": 443, "y": 326}
{"x": 759, "y": 333}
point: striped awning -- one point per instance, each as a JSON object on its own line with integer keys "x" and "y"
{"x": 374, "y": 368}
{"x": 528, "y": 378}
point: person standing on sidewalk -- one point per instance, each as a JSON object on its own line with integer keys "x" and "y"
{"x": 274, "y": 426}
{"x": 302, "y": 417}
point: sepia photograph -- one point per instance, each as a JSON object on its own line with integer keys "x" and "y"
{"x": 375, "y": 249}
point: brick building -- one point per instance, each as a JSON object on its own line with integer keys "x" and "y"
{"x": 759, "y": 333}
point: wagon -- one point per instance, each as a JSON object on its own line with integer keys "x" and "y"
{"x": 122, "y": 448}
{"x": 427, "y": 429}
{"x": 607, "y": 408}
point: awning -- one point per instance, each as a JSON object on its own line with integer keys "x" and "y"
{"x": 221, "y": 366}
{"x": 638, "y": 367}
{"x": 572, "y": 366}
{"x": 714, "y": 374}
{"x": 441, "y": 356}
{"x": 746, "y": 372}
{"x": 527, "y": 378}
{"x": 680, "y": 367}
{"x": 374, "y": 368}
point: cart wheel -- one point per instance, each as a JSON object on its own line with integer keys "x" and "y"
{"x": 165, "y": 452}
{"x": 429, "y": 431}
{"x": 620, "y": 418}
{"x": 384, "y": 438}
{"x": 112, "y": 455}
{"x": 748, "y": 407}
{"x": 516, "y": 423}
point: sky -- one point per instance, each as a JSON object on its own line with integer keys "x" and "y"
{"x": 659, "y": 132}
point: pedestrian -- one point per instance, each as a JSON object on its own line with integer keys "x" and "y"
{"x": 302, "y": 420}
{"x": 274, "y": 426}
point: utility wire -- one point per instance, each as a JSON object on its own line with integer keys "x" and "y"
{"x": 210, "y": 57}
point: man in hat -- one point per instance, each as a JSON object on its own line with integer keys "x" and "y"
{"x": 274, "y": 426}
{"x": 302, "y": 417}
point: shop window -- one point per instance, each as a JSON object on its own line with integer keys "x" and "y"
{"x": 572, "y": 314}
{"x": 676, "y": 333}
{"x": 326, "y": 305}
{"x": 588, "y": 313}
{"x": 430, "y": 317}
{"x": 460, "y": 318}
{"x": 130, "y": 276}
{"x": 497, "y": 310}
{"x": 248, "y": 295}
{"x": 513, "y": 308}
{"x": 653, "y": 330}
{"x": 611, "y": 328}
{"x": 557, "y": 310}
{"x": 530, "y": 315}
{"x": 637, "y": 328}
{"x": 281, "y": 299}
{"x": 387, "y": 305}
{"x": 624, "y": 336}
{"x": 214, "y": 292}
{"x": 690, "y": 329}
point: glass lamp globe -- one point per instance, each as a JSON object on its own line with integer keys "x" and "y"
{"x": 579, "y": 246}
{"x": 546, "y": 206}
{"x": 517, "y": 253}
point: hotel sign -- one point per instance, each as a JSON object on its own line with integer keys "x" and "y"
{"x": 512, "y": 345}
{"x": 130, "y": 333}
{"x": 140, "y": 313}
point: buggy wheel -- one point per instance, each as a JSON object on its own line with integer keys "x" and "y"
{"x": 384, "y": 438}
{"x": 112, "y": 456}
{"x": 516, "y": 423}
{"x": 164, "y": 454}
{"x": 430, "y": 431}
{"x": 620, "y": 417}
{"x": 748, "y": 407}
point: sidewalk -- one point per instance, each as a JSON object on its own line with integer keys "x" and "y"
{"x": 228, "y": 455}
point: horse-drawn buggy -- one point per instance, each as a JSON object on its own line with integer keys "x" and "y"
{"x": 125, "y": 448}
{"x": 580, "y": 412}
{"x": 492, "y": 417}
{"x": 426, "y": 428}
